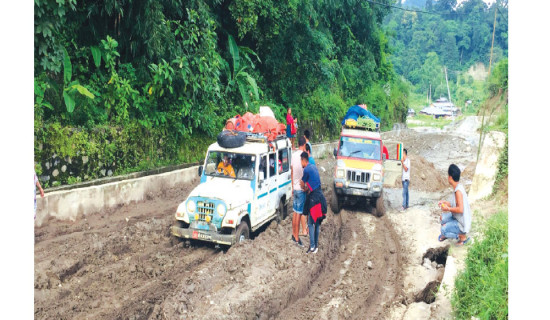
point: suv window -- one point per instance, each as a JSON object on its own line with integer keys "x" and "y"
{"x": 272, "y": 164}
{"x": 240, "y": 166}
{"x": 359, "y": 148}
{"x": 284, "y": 164}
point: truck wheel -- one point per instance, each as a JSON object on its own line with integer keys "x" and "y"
{"x": 242, "y": 232}
{"x": 335, "y": 203}
{"x": 380, "y": 210}
{"x": 281, "y": 212}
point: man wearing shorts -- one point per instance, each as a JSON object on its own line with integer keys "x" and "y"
{"x": 298, "y": 195}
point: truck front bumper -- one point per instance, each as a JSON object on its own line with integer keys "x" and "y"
{"x": 372, "y": 190}
{"x": 204, "y": 235}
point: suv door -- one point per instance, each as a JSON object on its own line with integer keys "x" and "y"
{"x": 272, "y": 182}
{"x": 392, "y": 166}
{"x": 262, "y": 193}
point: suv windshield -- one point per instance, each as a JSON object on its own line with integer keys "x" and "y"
{"x": 359, "y": 148}
{"x": 230, "y": 165}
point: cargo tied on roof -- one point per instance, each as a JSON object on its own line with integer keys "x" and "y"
{"x": 359, "y": 117}
{"x": 262, "y": 126}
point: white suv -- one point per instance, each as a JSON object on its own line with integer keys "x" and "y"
{"x": 225, "y": 209}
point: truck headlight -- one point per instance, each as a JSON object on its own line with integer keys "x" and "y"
{"x": 221, "y": 209}
{"x": 191, "y": 206}
{"x": 376, "y": 177}
{"x": 340, "y": 173}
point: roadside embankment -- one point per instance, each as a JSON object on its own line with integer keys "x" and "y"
{"x": 69, "y": 203}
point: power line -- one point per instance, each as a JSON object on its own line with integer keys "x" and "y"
{"x": 501, "y": 13}
{"x": 411, "y": 10}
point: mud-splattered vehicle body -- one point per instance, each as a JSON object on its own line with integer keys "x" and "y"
{"x": 225, "y": 209}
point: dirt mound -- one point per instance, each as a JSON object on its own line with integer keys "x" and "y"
{"x": 424, "y": 176}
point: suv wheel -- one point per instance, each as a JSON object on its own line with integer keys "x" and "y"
{"x": 335, "y": 203}
{"x": 380, "y": 210}
{"x": 281, "y": 212}
{"x": 242, "y": 232}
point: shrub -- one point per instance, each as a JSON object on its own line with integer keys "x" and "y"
{"x": 481, "y": 290}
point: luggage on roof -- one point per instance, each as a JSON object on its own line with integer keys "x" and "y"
{"x": 263, "y": 124}
{"x": 359, "y": 117}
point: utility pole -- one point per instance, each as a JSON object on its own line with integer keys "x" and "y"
{"x": 490, "y": 63}
{"x": 447, "y": 81}
{"x": 493, "y": 41}
{"x": 430, "y": 94}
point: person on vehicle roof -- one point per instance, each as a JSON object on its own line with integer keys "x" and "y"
{"x": 226, "y": 168}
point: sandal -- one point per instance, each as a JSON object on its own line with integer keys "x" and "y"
{"x": 461, "y": 243}
{"x": 441, "y": 238}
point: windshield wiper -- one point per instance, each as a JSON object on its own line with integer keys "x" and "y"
{"x": 354, "y": 152}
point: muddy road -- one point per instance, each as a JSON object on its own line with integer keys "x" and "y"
{"x": 124, "y": 264}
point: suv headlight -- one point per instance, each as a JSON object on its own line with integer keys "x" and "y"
{"x": 191, "y": 206}
{"x": 221, "y": 209}
{"x": 376, "y": 177}
{"x": 340, "y": 173}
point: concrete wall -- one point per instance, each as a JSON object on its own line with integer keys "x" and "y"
{"x": 71, "y": 202}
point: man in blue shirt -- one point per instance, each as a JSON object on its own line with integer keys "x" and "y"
{"x": 311, "y": 183}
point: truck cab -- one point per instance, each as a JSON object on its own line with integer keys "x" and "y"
{"x": 229, "y": 204}
{"x": 359, "y": 171}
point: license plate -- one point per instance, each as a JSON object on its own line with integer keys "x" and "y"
{"x": 356, "y": 192}
{"x": 200, "y": 235}
{"x": 204, "y": 236}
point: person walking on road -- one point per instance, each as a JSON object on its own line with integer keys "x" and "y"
{"x": 316, "y": 204}
{"x": 456, "y": 217}
{"x": 405, "y": 178}
{"x": 298, "y": 195}
{"x": 37, "y": 184}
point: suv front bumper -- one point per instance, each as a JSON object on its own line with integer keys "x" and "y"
{"x": 372, "y": 190}
{"x": 204, "y": 235}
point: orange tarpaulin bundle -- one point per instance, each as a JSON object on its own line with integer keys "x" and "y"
{"x": 266, "y": 125}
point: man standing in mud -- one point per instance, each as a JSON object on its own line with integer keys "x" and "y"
{"x": 316, "y": 204}
{"x": 298, "y": 195}
{"x": 405, "y": 178}
{"x": 456, "y": 218}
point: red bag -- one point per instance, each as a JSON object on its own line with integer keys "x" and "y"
{"x": 292, "y": 128}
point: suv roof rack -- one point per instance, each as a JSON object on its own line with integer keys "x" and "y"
{"x": 359, "y": 127}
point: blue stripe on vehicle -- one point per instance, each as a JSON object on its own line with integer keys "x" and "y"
{"x": 284, "y": 184}
{"x": 274, "y": 189}
{"x": 262, "y": 195}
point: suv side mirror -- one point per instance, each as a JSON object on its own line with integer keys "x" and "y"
{"x": 200, "y": 171}
{"x": 335, "y": 152}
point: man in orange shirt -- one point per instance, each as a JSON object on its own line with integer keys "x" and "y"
{"x": 226, "y": 168}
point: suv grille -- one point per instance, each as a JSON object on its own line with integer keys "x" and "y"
{"x": 204, "y": 209}
{"x": 358, "y": 176}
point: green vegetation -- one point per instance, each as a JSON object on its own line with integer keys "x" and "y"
{"x": 423, "y": 120}
{"x": 481, "y": 290}
{"x": 423, "y": 45}
{"x": 150, "y": 82}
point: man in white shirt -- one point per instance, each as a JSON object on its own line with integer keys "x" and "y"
{"x": 298, "y": 195}
{"x": 405, "y": 178}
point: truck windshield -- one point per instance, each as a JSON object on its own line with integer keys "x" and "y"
{"x": 230, "y": 165}
{"x": 359, "y": 148}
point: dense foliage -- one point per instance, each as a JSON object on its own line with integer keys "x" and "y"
{"x": 451, "y": 36}
{"x": 166, "y": 74}
{"x": 481, "y": 290}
